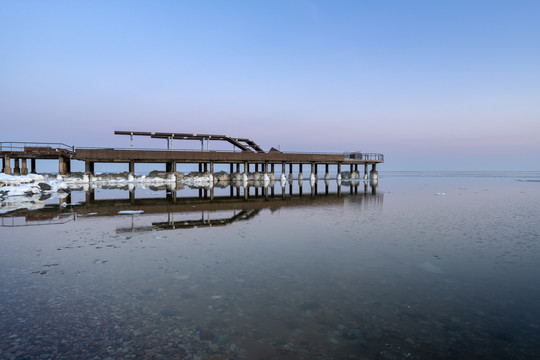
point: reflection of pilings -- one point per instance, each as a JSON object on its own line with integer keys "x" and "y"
{"x": 132, "y": 195}
{"x": 374, "y": 184}
{"x": 90, "y": 195}
{"x": 171, "y": 195}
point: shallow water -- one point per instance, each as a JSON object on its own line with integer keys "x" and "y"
{"x": 427, "y": 265}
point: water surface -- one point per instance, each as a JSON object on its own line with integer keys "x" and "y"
{"x": 425, "y": 265}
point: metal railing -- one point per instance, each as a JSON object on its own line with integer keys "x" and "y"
{"x": 22, "y": 147}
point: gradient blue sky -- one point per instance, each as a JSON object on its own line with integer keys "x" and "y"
{"x": 434, "y": 85}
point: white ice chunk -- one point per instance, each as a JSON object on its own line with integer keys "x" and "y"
{"x": 130, "y": 212}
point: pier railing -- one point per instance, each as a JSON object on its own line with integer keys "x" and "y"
{"x": 36, "y": 148}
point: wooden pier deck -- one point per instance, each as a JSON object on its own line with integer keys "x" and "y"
{"x": 246, "y": 152}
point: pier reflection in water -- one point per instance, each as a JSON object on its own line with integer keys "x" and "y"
{"x": 191, "y": 206}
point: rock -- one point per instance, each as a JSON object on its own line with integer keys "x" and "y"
{"x": 44, "y": 186}
{"x": 222, "y": 176}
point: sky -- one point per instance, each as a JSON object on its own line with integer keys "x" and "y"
{"x": 433, "y": 85}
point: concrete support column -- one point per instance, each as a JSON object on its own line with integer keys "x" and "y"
{"x": 89, "y": 167}
{"x": 16, "y": 168}
{"x": 68, "y": 165}
{"x": 7, "y": 165}
{"x": 62, "y": 167}
{"x": 374, "y": 175}
{"x": 33, "y": 164}
{"x": 24, "y": 170}
{"x": 283, "y": 168}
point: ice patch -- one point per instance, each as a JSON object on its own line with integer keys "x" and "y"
{"x": 429, "y": 267}
{"x": 130, "y": 212}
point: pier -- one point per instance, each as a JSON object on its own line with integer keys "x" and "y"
{"x": 245, "y": 156}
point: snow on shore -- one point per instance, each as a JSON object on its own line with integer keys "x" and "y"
{"x": 26, "y": 191}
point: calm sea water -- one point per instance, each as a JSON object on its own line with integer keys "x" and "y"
{"x": 423, "y": 266}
